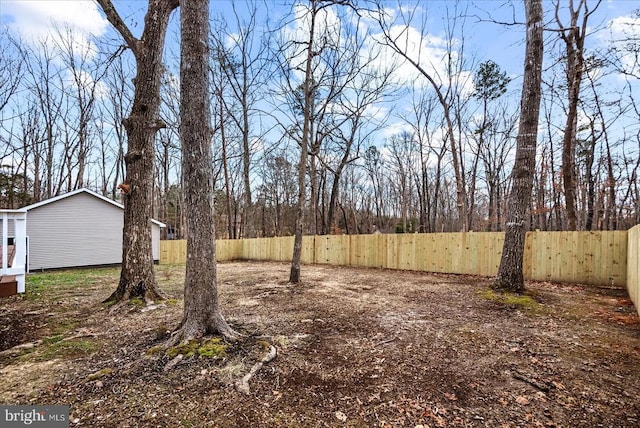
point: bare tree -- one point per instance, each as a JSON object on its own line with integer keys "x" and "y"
{"x": 624, "y": 52}
{"x": 306, "y": 104}
{"x": 10, "y": 73}
{"x": 43, "y": 82}
{"x": 352, "y": 84}
{"x": 202, "y": 313}
{"x": 444, "y": 87}
{"x": 278, "y": 195}
{"x": 245, "y": 67}
{"x": 574, "y": 37}
{"x": 510, "y": 275}
{"x": 169, "y": 195}
{"x": 492, "y": 134}
{"x": 83, "y": 90}
{"x": 401, "y": 169}
{"x": 114, "y": 110}
{"x": 137, "y": 278}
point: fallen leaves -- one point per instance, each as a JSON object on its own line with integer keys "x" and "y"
{"x": 450, "y": 397}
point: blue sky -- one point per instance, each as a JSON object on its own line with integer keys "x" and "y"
{"x": 483, "y": 39}
{"x": 34, "y": 18}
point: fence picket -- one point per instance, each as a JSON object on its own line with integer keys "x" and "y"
{"x": 582, "y": 257}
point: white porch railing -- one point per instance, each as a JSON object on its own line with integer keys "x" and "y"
{"x": 17, "y": 219}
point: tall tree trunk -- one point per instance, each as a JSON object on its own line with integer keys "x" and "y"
{"x": 202, "y": 313}
{"x": 510, "y": 276}
{"x": 248, "y": 214}
{"x": 225, "y": 166}
{"x": 137, "y": 277}
{"x": 294, "y": 275}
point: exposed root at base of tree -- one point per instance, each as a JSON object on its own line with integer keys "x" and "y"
{"x": 505, "y": 286}
{"x": 144, "y": 304}
{"x": 126, "y": 292}
{"x": 195, "y": 328}
{"x": 242, "y": 385}
{"x": 171, "y": 364}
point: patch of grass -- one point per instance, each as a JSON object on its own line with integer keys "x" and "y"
{"x": 65, "y": 350}
{"x": 52, "y": 339}
{"x": 39, "y": 285}
{"x": 523, "y": 302}
{"x": 64, "y": 327}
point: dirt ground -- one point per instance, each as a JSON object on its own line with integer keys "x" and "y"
{"x": 355, "y": 347}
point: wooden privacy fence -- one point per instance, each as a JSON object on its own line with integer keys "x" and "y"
{"x": 598, "y": 258}
{"x": 633, "y": 266}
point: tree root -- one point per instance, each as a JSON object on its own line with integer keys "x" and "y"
{"x": 541, "y": 385}
{"x": 171, "y": 364}
{"x": 242, "y": 385}
{"x": 190, "y": 329}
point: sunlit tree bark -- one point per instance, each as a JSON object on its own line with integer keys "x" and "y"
{"x": 510, "y": 276}
{"x": 202, "y": 313}
{"x": 137, "y": 278}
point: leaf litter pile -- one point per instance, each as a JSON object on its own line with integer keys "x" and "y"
{"x": 353, "y": 347}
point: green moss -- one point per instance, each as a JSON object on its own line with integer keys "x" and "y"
{"x": 523, "y": 302}
{"x": 154, "y": 350}
{"x": 263, "y": 344}
{"x": 100, "y": 373}
{"x": 137, "y": 301}
{"x": 109, "y": 303}
{"x": 212, "y": 348}
{"x": 187, "y": 349}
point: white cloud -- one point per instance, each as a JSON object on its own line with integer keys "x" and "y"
{"x": 430, "y": 52}
{"x": 327, "y": 27}
{"x": 83, "y": 80}
{"x": 37, "y": 21}
{"x": 624, "y": 31}
{"x": 625, "y": 26}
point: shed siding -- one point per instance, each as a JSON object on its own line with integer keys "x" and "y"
{"x": 10, "y": 227}
{"x": 80, "y": 230}
{"x": 155, "y": 241}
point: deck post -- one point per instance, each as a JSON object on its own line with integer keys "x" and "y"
{"x": 17, "y": 266}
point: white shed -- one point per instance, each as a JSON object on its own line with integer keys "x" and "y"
{"x": 79, "y": 228}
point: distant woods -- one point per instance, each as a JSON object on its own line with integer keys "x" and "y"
{"x": 397, "y": 139}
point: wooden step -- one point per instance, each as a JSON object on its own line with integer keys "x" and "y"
{"x": 8, "y": 285}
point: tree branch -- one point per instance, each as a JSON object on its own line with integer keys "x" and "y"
{"x": 117, "y": 22}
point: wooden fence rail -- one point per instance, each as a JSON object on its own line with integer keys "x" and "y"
{"x": 598, "y": 258}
